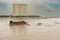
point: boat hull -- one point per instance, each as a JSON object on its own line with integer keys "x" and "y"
{"x": 17, "y": 23}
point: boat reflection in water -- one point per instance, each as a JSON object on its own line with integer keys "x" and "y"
{"x": 18, "y": 32}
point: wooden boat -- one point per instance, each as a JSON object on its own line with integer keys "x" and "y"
{"x": 17, "y": 23}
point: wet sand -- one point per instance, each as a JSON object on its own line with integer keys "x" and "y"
{"x": 32, "y": 32}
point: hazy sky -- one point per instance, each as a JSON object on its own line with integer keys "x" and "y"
{"x": 46, "y": 8}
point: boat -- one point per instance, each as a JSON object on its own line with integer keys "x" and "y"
{"x": 17, "y": 23}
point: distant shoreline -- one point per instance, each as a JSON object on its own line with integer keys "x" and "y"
{"x": 33, "y": 17}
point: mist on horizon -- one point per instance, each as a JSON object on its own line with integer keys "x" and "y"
{"x": 45, "y": 9}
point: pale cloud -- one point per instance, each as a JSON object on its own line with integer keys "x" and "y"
{"x": 23, "y": 1}
{"x": 14, "y": 1}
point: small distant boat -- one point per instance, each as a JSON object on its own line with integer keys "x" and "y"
{"x": 17, "y": 23}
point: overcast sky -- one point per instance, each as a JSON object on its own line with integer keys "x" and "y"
{"x": 40, "y": 7}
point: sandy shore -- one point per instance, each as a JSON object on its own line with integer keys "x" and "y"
{"x": 47, "y": 31}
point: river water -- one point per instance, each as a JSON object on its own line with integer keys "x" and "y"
{"x": 47, "y": 31}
